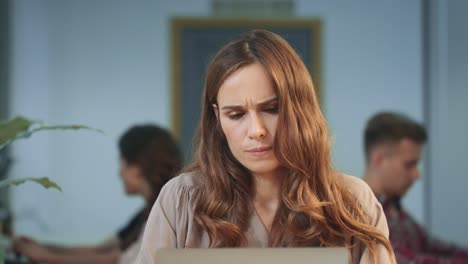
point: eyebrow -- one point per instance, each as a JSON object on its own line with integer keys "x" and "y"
{"x": 261, "y": 104}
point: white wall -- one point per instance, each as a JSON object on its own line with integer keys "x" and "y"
{"x": 448, "y": 108}
{"x": 106, "y": 64}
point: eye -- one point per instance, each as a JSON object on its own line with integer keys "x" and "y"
{"x": 235, "y": 116}
{"x": 272, "y": 110}
{"x": 411, "y": 164}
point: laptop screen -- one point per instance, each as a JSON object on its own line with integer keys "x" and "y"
{"x": 253, "y": 256}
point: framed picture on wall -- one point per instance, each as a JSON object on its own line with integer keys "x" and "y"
{"x": 194, "y": 41}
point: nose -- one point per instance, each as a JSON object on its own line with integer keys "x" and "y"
{"x": 415, "y": 174}
{"x": 257, "y": 129}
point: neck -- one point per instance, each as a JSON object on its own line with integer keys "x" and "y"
{"x": 267, "y": 188}
{"x": 147, "y": 194}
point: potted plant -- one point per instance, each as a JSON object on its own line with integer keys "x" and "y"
{"x": 21, "y": 128}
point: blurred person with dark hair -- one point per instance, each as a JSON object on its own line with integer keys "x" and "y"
{"x": 149, "y": 157}
{"x": 392, "y": 145}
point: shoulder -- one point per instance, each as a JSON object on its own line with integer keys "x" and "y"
{"x": 372, "y": 208}
{"x": 357, "y": 187}
{"x": 363, "y": 195}
{"x": 184, "y": 180}
{"x": 179, "y": 190}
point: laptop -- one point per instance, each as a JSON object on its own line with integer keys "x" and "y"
{"x": 253, "y": 256}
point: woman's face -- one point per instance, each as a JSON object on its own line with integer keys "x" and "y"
{"x": 131, "y": 177}
{"x": 248, "y": 113}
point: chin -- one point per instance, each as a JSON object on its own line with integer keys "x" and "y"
{"x": 262, "y": 167}
{"x": 129, "y": 191}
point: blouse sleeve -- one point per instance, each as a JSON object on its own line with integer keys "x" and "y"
{"x": 168, "y": 221}
{"x": 380, "y": 222}
{"x": 373, "y": 209}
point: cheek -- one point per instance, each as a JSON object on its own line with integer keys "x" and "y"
{"x": 392, "y": 172}
{"x": 271, "y": 122}
{"x": 403, "y": 175}
{"x": 127, "y": 178}
{"x": 123, "y": 173}
{"x": 234, "y": 133}
{"x": 129, "y": 174}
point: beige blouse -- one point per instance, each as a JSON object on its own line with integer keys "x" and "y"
{"x": 171, "y": 223}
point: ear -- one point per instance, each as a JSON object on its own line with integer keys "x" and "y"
{"x": 216, "y": 111}
{"x": 377, "y": 156}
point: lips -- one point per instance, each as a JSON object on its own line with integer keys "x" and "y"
{"x": 260, "y": 150}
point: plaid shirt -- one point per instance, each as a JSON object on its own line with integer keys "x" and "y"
{"x": 412, "y": 244}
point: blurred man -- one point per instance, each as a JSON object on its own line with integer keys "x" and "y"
{"x": 392, "y": 144}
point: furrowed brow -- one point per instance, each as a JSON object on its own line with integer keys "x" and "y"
{"x": 261, "y": 104}
{"x": 268, "y": 102}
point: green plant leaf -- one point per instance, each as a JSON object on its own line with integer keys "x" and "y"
{"x": 20, "y": 127}
{"x": 44, "y": 181}
{"x": 13, "y": 128}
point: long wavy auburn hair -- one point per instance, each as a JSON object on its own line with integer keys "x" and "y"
{"x": 315, "y": 208}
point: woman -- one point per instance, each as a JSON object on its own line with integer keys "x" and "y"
{"x": 262, "y": 175}
{"x": 149, "y": 157}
